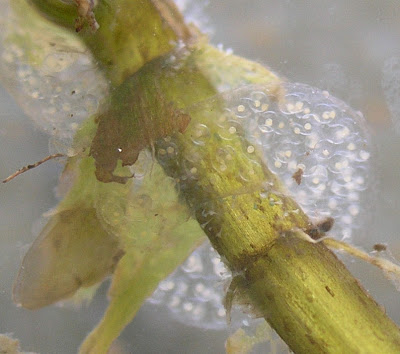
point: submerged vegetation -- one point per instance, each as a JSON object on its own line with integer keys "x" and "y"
{"x": 193, "y": 142}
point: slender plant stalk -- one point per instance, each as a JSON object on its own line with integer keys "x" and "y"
{"x": 31, "y": 166}
{"x": 301, "y": 288}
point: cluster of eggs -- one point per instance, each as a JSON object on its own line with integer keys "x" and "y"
{"x": 194, "y": 292}
{"x": 55, "y": 82}
{"x": 318, "y": 147}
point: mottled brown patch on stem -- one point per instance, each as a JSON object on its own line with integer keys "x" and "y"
{"x": 128, "y": 127}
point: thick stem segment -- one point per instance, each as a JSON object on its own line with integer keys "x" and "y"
{"x": 301, "y": 288}
{"x": 329, "y": 311}
{"x": 131, "y": 32}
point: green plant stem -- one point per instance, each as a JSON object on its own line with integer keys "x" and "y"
{"x": 132, "y": 32}
{"x": 301, "y": 288}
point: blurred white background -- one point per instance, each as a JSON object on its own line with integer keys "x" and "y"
{"x": 340, "y": 46}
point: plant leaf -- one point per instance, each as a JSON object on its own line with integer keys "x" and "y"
{"x": 73, "y": 250}
{"x": 94, "y": 225}
{"x": 48, "y": 71}
{"x": 157, "y": 236}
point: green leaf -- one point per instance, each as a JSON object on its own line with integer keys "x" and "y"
{"x": 73, "y": 250}
{"x": 158, "y": 235}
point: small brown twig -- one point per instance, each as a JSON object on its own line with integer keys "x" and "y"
{"x": 387, "y": 266}
{"x": 379, "y": 262}
{"x": 29, "y": 167}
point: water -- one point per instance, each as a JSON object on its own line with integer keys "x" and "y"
{"x": 356, "y": 40}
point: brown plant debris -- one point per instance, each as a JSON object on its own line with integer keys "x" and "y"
{"x": 298, "y": 175}
{"x": 29, "y": 167}
{"x": 125, "y": 129}
{"x": 85, "y": 11}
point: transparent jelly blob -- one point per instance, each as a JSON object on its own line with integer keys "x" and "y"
{"x": 306, "y": 128}
{"x": 194, "y": 292}
{"x": 56, "y": 81}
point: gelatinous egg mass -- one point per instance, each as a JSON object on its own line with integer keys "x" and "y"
{"x": 319, "y": 148}
{"x": 56, "y": 82}
{"x": 194, "y": 292}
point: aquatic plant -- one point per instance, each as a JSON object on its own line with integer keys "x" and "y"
{"x": 219, "y": 146}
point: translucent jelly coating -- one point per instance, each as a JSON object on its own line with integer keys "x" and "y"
{"x": 194, "y": 292}
{"x": 308, "y": 129}
{"x": 56, "y": 81}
